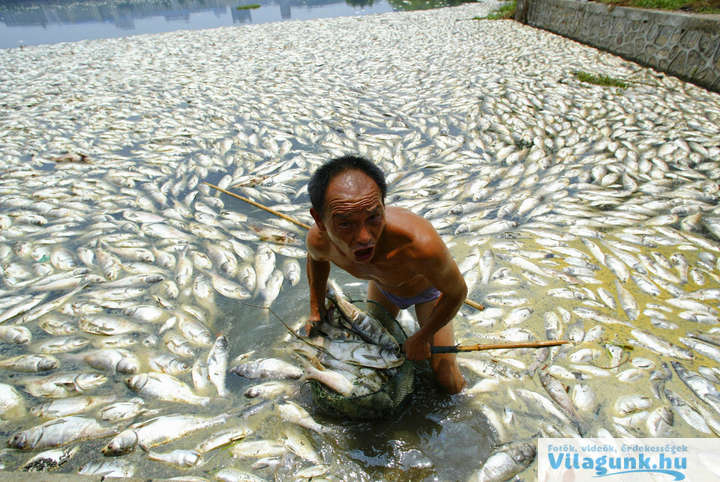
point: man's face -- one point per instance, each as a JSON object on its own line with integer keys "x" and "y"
{"x": 354, "y": 216}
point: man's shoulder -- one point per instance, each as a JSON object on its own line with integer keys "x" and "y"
{"x": 403, "y": 216}
{"x": 317, "y": 243}
{"x": 424, "y": 241}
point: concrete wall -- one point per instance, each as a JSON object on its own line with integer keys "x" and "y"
{"x": 681, "y": 44}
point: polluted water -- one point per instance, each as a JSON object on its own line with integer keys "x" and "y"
{"x": 131, "y": 293}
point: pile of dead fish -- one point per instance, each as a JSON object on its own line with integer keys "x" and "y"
{"x": 129, "y": 289}
{"x": 356, "y": 354}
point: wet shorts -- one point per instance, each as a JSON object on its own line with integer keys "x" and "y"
{"x": 401, "y": 302}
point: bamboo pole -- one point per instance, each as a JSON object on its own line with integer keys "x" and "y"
{"x": 498, "y": 346}
{"x": 472, "y": 303}
{"x": 258, "y": 205}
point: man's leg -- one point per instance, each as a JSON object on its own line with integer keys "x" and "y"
{"x": 374, "y": 294}
{"x": 445, "y": 367}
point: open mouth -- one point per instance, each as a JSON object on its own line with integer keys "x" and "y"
{"x": 364, "y": 254}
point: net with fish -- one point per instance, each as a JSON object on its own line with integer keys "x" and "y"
{"x": 381, "y": 403}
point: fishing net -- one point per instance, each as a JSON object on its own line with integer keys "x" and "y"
{"x": 385, "y": 401}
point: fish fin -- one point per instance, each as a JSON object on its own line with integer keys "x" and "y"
{"x": 316, "y": 363}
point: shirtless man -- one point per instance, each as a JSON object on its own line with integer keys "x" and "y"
{"x": 400, "y": 254}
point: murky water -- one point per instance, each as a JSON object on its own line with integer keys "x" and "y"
{"x": 536, "y": 182}
{"x": 45, "y": 22}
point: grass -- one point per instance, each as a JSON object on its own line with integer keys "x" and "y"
{"x": 603, "y": 80}
{"x": 249, "y": 6}
{"x": 696, "y": 6}
{"x": 505, "y": 12}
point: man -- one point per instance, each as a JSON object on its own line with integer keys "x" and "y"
{"x": 400, "y": 254}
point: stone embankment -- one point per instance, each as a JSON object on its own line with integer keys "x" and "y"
{"x": 681, "y": 44}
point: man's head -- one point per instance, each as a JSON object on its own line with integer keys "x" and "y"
{"x": 348, "y": 196}
{"x": 324, "y": 174}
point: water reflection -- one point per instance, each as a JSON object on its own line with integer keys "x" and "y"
{"x": 360, "y": 3}
{"x": 420, "y": 4}
{"x": 52, "y": 21}
{"x": 124, "y": 14}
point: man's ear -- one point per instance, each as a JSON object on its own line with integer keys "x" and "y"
{"x": 318, "y": 219}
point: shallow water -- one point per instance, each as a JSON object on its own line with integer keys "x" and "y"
{"x": 257, "y": 103}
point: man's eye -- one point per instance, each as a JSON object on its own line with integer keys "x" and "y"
{"x": 344, "y": 225}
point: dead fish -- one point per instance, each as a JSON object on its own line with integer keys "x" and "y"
{"x": 49, "y": 459}
{"x": 59, "y": 431}
{"x": 267, "y": 368}
{"x": 159, "y": 431}
{"x": 165, "y": 387}
{"x": 506, "y": 461}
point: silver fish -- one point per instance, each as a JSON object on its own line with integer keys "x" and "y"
{"x": 70, "y": 406}
{"x": 217, "y": 362}
{"x": 164, "y": 387}
{"x": 267, "y": 368}
{"x": 158, "y": 431}
{"x": 60, "y": 431}
{"x": 18, "y": 335}
{"x": 30, "y": 363}
{"x": 704, "y": 390}
{"x": 166, "y": 363}
{"x": 627, "y": 301}
{"x": 257, "y": 449}
{"x": 506, "y": 461}
{"x": 369, "y": 328}
{"x": 113, "y": 360}
{"x": 61, "y": 385}
{"x": 179, "y": 457}
{"x": 558, "y": 393}
{"x": 123, "y": 410}
{"x": 109, "y": 468}
{"x": 660, "y": 346}
{"x": 270, "y": 390}
{"x": 223, "y": 438}
{"x": 294, "y": 413}
{"x": 12, "y": 404}
{"x": 49, "y": 459}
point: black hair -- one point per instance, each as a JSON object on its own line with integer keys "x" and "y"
{"x": 324, "y": 174}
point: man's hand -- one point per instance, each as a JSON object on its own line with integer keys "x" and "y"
{"x": 310, "y": 328}
{"x": 312, "y": 325}
{"x": 417, "y": 347}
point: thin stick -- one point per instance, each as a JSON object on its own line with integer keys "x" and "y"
{"x": 258, "y": 205}
{"x": 472, "y": 303}
{"x": 499, "y": 346}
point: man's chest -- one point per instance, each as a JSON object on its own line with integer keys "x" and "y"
{"x": 393, "y": 272}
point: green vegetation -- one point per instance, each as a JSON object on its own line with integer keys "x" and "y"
{"x": 506, "y": 11}
{"x": 696, "y": 6}
{"x": 603, "y": 80}
{"x": 249, "y": 6}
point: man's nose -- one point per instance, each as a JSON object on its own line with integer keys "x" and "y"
{"x": 363, "y": 235}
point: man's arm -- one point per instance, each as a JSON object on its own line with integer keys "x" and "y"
{"x": 441, "y": 270}
{"x": 318, "y": 270}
